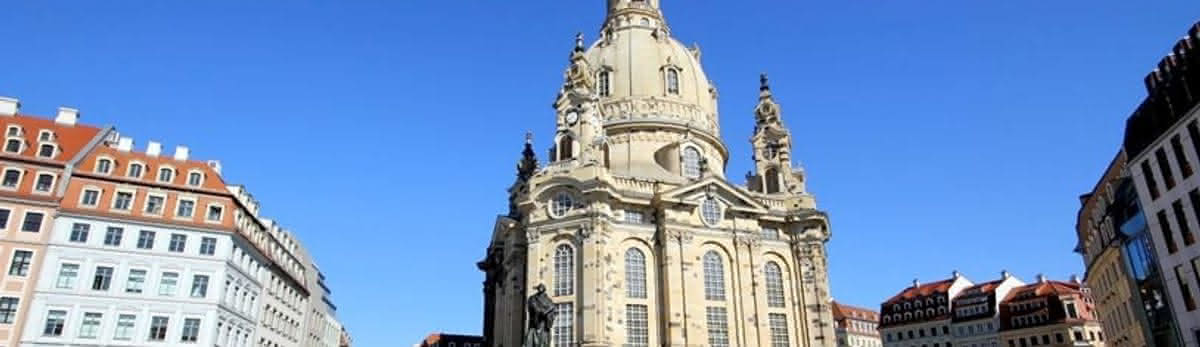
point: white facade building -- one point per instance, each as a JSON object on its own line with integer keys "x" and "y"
{"x": 115, "y": 283}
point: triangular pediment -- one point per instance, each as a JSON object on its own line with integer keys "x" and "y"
{"x": 714, "y": 186}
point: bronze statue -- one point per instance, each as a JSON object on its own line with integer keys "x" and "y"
{"x": 541, "y": 318}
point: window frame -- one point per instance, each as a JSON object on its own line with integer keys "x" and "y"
{"x": 158, "y": 177}
{"x": 38, "y": 180}
{"x": 4, "y": 176}
{"x": 141, "y": 169}
{"x": 197, "y": 172}
{"x": 687, "y": 168}
{"x": 53, "y": 150}
{"x": 112, "y": 163}
{"x": 162, "y": 208}
{"x": 83, "y": 196}
{"x": 20, "y": 269}
{"x": 116, "y": 197}
{"x": 179, "y": 206}
{"x": 208, "y": 213}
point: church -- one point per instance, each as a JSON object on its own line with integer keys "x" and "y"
{"x": 631, "y": 228}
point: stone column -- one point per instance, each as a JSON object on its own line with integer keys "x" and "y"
{"x": 672, "y": 297}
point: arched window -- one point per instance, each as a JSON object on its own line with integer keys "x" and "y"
{"x": 690, "y": 167}
{"x": 714, "y": 277}
{"x": 135, "y": 170}
{"x": 710, "y": 211}
{"x": 104, "y": 165}
{"x": 929, "y": 312}
{"x": 13, "y": 145}
{"x": 564, "y": 270}
{"x": 195, "y": 179}
{"x": 887, "y": 319}
{"x": 917, "y": 304}
{"x": 907, "y": 315}
{"x": 166, "y": 174}
{"x": 920, "y": 314}
{"x": 635, "y": 273}
{"x": 46, "y": 150}
{"x": 566, "y": 148}
{"x": 672, "y": 82}
{"x": 604, "y": 83}
{"x": 561, "y": 204}
{"x": 774, "y": 279}
{"x": 772, "y": 178}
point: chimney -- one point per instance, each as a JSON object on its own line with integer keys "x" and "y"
{"x": 954, "y": 274}
{"x": 215, "y": 165}
{"x": 67, "y": 116}
{"x": 181, "y": 153}
{"x": 153, "y": 149}
{"x": 9, "y": 106}
{"x": 1074, "y": 278}
{"x": 1041, "y": 278}
{"x": 1004, "y": 274}
{"x": 916, "y": 283}
{"x": 124, "y": 144}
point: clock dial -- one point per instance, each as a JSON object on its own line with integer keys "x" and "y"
{"x": 572, "y": 117}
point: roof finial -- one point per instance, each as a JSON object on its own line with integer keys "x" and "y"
{"x": 579, "y": 42}
{"x": 528, "y": 137}
{"x": 763, "y": 82}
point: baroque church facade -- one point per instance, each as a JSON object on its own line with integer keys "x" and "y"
{"x": 633, "y": 230}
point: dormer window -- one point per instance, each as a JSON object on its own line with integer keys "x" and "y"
{"x": 14, "y": 130}
{"x": 604, "y": 83}
{"x": 672, "y": 81}
{"x": 13, "y": 145}
{"x": 195, "y": 179}
{"x": 166, "y": 175}
{"x": 104, "y": 165}
{"x": 135, "y": 170}
{"x": 690, "y": 163}
{"x": 45, "y": 136}
{"x": 47, "y": 150}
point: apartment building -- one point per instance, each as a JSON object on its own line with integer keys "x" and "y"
{"x": 113, "y": 245}
{"x": 855, "y": 326}
{"x": 920, "y": 315}
{"x": 975, "y": 322}
{"x": 1049, "y": 313}
{"x": 1162, "y": 143}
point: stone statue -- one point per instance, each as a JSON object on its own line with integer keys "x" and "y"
{"x": 541, "y": 318}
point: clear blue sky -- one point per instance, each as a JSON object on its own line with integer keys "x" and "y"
{"x": 939, "y": 135}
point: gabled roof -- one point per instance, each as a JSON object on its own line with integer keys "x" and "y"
{"x": 843, "y": 311}
{"x": 739, "y": 199}
{"x": 982, "y": 288}
{"x": 926, "y": 289}
{"x": 71, "y": 139}
{"x": 1044, "y": 288}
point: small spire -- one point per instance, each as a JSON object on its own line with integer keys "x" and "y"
{"x": 528, "y": 137}
{"x": 528, "y": 164}
{"x": 579, "y": 42}
{"x": 764, "y": 84}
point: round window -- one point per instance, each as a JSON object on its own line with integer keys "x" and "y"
{"x": 710, "y": 211}
{"x": 561, "y": 204}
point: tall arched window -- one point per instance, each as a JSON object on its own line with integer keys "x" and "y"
{"x": 635, "y": 273}
{"x": 690, "y": 167}
{"x": 566, "y": 148}
{"x": 714, "y": 277}
{"x": 672, "y": 82}
{"x": 772, "y": 181}
{"x": 774, "y": 279}
{"x": 564, "y": 270}
{"x": 603, "y": 83}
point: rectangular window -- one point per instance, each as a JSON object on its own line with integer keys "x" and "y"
{"x": 67, "y": 275}
{"x": 718, "y": 326}
{"x": 145, "y": 239}
{"x": 215, "y": 213}
{"x": 112, "y": 237}
{"x": 199, "y": 286}
{"x": 33, "y": 222}
{"x": 564, "y": 325}
{"x": 185, "y": 208}
{"x": 1164, "y": 169}
{"x": 91, "y": 197}
{"x": 1058, "y": 338}
{"x": 208, "y": 246}
{"x": 154, "y": 204}
{"x": 125, "y": 324}
{"x": 55, "y": 320}
{"x": 637, "y": 331}
{"x": 136, "y": 282}
{"x": 770, "y": 233}
{"x": 779, "y": 330}
{"x": 178, "y": 242}
{"x": 1188, "y": 301}
{"x": 20, "y": 263}
{"x": 12, "y": 178}
{"x": 191, "y": 330}
{"x": 79, "y": 232}
{"x": 1148, "y": 177}
{"x": 1071, "y": 313}
{"x": 1181, "y": 219}
{"x": 1165, "y": 229}
{"x": 635, "y": 217}
{"x": 90, "y": 327}
{"x": 1185, "y": 168}
{"x": 158, "y": 328}
{"x": 103, "y": 278}
{"x": 4, "y": 213}
{"x": 166, "y": 286}
{"x": 123, "y": 201}
{"x": 8, "y": 309}
{"x": 44, "y": 183}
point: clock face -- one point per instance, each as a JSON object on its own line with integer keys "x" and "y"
{"x": 572, "y": 117}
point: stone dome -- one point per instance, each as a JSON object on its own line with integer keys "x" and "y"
{"x": 649, "y": 81}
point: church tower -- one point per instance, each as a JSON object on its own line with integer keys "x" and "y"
{"x": 631, "y": 225}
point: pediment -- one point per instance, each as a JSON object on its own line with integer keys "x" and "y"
{"x": 732, "y": 195}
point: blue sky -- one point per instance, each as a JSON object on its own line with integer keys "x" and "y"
{"x": 938, "y": 134}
